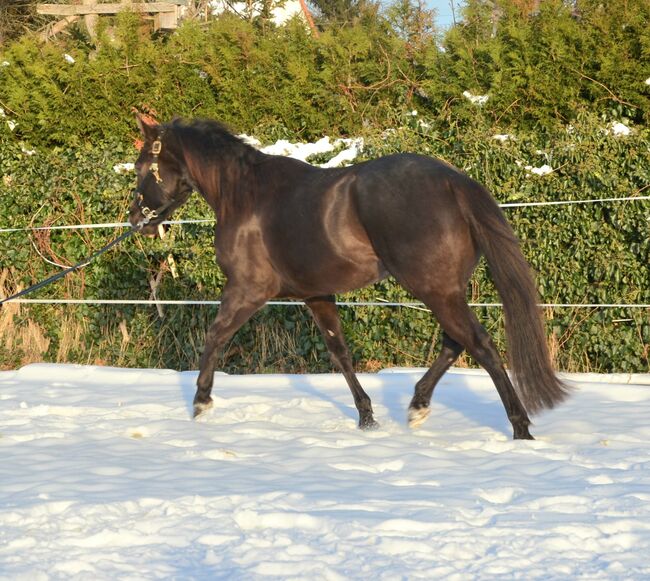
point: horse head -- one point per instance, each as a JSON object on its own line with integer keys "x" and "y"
{"x": 163, "y": 181}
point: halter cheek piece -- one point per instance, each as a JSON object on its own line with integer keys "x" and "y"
{"x": 156, "y": 148}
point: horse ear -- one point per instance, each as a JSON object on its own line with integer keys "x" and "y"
{"x": 148, "y": 127}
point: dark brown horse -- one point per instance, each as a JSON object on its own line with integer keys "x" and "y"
{"x": 288, "y": 229}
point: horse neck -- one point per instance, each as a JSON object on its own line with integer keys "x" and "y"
{"x": 224, "y": 180}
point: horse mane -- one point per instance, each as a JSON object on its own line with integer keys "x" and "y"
{"x": 208, "y": 137}
{"x": 220, "y": 162}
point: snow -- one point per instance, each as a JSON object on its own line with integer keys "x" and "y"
{"x": 303, "y": 151}
{"x": 105, "y": 476}
{"x": 619, "y": 129}
{"x": 299, "y": 150}
{"x": 540, "y": 171}
{"x": 476, "y": 99}
{"x": 124, "y": 168}
{"x": 250, "y": 140}
{"x": 352, "y": 149}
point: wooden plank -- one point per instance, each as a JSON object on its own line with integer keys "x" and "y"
{"x": 57, "y": 27}
{"x": 82, "y": 10}
{"x": 165, "y": 20}
{"x": 91, "y": 20}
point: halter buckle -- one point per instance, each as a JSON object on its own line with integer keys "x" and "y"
{"x": 148, "y": 214}
{"x": 156, "y": 147}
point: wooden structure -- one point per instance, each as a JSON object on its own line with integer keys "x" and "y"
{"x": 165, "y": 14}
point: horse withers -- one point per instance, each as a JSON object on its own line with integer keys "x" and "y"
{"x": 288, "y": 229}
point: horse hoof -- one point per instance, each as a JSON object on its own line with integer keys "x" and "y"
{"x": 417, "y": 417}
{"x": 200, "y": 408}
{"x": 368, "y": 425}
{"x": 523, "y": 436}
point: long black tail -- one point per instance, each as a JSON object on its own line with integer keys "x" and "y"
{"x": 534, "y": 378}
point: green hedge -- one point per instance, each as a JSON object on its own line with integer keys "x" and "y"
{"x": 595, "y": 253}
{"x": 275, "y": 82}
{"x": 539, "y": 71}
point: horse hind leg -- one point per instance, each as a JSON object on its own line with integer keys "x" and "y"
{"x": 326, "y": 315}
{"x": 419, "y": 407}
{"x": 461, "y": 325}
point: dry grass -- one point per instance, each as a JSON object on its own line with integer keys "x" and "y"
{"x": 33, "y": 342}
{"x": 28, "y": 341}
{"x": 71, "y": 331}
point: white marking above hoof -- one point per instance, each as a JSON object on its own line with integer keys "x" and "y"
{"x": 200, "y": 408}
{"x": 418, "y": 417}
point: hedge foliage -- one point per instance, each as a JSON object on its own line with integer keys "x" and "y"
{"x": 555, "y": 82}
{"x": 596, "y": 253}
{"x": 540, "y": 72}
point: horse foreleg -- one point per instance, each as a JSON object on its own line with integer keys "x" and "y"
{"x": 419, "y": 406}
{"x": 327, "y": 318}
{"x": 236, "y": 308}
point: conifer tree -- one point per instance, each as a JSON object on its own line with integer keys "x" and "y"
{"x": 340, "y": 11}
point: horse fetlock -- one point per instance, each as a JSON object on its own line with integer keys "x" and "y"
{"x": 520, "y": 432}
{"x": 520, "y": 428}
{"x": 417, "y": 416}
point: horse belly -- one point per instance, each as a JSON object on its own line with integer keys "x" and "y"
{"x": 324, "y": 269}
{"x": 327, "y": 252}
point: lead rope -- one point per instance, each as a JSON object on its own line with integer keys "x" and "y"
{"x": 148, "y": 216}
{"x": 75, "y": 267}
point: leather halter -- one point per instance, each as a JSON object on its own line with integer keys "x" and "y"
{"x": 147, "y": 213}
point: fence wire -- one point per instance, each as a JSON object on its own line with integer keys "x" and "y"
{"x": 380, "y": 303}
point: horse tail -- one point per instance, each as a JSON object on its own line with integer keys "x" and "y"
{"x": 534, "y": 378}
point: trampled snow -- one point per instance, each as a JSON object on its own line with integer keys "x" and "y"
{"x": 105, "y": 476}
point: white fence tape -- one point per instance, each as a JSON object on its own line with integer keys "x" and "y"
{"x": 419, "y": 306}
{"x": 211, "y": 220}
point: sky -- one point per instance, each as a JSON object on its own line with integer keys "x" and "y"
{"x": 444, "y": 12}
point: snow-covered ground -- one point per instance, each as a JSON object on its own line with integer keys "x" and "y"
{"x": 105, "y": 476}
